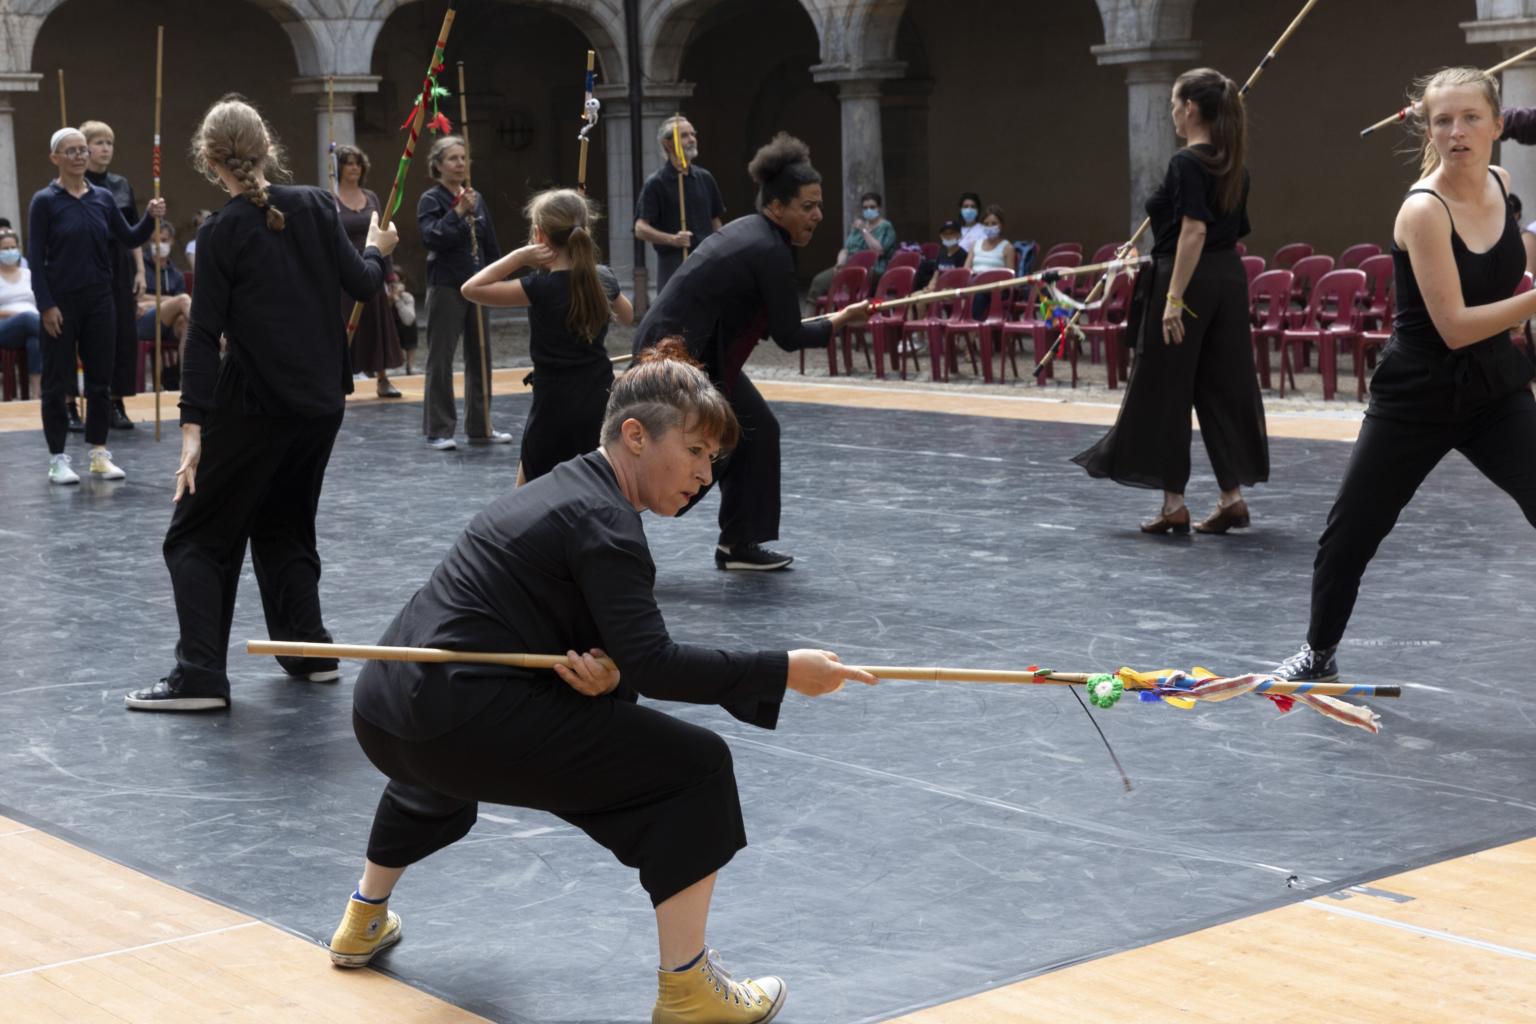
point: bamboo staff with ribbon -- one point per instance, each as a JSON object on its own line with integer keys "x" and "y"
{"x": 330, "y": 130}
{"x": 159, "y": 274}
{"x": 63, "y": 110}
{"x": 589, "y": 109}
{"x": 682, "y": 159}
{"x": 430, "y": 92}
{"x": 474, "y": 254}
{"x": 1413, "y": 108}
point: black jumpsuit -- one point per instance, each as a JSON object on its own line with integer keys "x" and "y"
{"x": 1426, "y": 399}
{"x": 559, "y": 564}
{"x": 125, "y": 379}
{"x": 737, "y": 288}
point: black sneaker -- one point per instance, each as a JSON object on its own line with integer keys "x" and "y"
{"x": 1309, "y": 666}
{"x": 322, "y": 670}
{"x": 749, "y": 556}
{"x": 161, "y": 697}
{"x": 76, "y": 424}
{"x": 118, "y": 417}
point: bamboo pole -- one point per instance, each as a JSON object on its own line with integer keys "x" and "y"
{"x": 63, "y": 110}
{"x": 682, "y": 158}
{"x": 974, "y": 289}
{"x": 159, "y": 275}
{"x": 474, "y": 254}
{"x": 410, "y": 145}
{"x": 330, "y": 130}
{"x": 1273, "y": 50}
{"x": 949, "y": 675}
{"x": 589, "y": 115}
{"x": 1402, "y": 115}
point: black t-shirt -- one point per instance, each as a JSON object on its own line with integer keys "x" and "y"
{"x": 558, "y": 564}
{"x": 1189, "y": 190}
{"x": 551, "y": 344}
{"x": 658, "y": 204}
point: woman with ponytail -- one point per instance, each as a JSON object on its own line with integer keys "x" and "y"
{"x": 571, "y": 301}
{"x": 257, "y": 426}
{"x": 1200, "y": 351}
{"x": 563, "y": 565}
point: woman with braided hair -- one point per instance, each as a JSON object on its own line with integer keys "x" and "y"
{"x": 258, "y": 426}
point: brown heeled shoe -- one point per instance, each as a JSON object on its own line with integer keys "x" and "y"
{"x": 1233, "y": 517}
{"x": 1177, "y": 521}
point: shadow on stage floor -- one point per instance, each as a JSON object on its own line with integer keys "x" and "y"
{"x": 910, "y": 843}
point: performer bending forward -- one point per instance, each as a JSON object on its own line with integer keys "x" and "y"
{"x": 736, "y": 288}
{"x": 1450, "y": 377}
{"x": 563, "y": 565}
{"x": 258, "y": 426}
{"x": 1201, "y": 353}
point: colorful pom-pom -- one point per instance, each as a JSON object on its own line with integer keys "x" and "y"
{"x": 1104, "y": 690}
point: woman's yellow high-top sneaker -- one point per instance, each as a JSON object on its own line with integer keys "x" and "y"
{"x": 703, "y": 993}
{"x": 366, "y": 929}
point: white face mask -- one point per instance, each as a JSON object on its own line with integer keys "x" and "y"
{"x": 992, "y": 232}
{"x": 10, "y": 257}
{"x": 950, "y": 242}
{"x": 163, "y": 250}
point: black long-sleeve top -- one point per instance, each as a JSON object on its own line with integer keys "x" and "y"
{"x": 67, "y": 240}
{"x": 122, "y": 194}
{"x": 272, "y": 294}
{"x": 446, "y": 236}
{"x": 559, "y": 564}
{"x": 737, "y": 288}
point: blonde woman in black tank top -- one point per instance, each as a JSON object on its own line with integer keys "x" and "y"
{"x": 1449, "y": 378}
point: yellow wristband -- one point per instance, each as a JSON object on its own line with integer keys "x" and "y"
{"x": 1178, "y": 303}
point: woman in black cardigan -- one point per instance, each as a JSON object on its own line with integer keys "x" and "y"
{"x": 257, "y": 427}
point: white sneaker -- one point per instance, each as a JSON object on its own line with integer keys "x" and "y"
{"x": 442, "y": 444}
{"x": 102, "y": 465}
{"x": 496, "y": 437}
{"x": 59, "y": 471}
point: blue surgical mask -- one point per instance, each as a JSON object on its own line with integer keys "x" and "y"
{"x": 968, "y": 214}
{"x": 10, "y": 257}
{"x": 950, "y": 242}
{"x": 991, "y": 232}
{"x": 871, "y": 213}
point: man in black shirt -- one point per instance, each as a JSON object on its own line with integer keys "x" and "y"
{"x": 658, "y": 218}
{"x": 127, "y": 270}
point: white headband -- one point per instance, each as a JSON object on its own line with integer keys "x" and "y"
{"x": 60, "y": 135}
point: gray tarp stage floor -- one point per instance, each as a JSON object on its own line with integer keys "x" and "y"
{"x": 910, "y": 843}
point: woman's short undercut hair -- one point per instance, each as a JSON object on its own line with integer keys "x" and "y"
{"x": 665, "y": 390}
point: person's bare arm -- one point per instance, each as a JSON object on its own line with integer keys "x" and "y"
{"x": 716, "y": 223}
{"x": 1529, "y": 240}
{"x": 646, "y": 233}
{"x": 488, "y": 287}
{"x": 1191, "y": 245}
{"x": 623, "y": 312}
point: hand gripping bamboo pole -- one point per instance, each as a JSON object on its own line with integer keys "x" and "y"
{"x": 63, "y": 110}
{"x": 589, "y": 118}
{"x": 159, "y": 275}
{"x": 682, "y": 158}
{"x": 1099, "y": 288}
{"x": 950, "y": 675}
{"x": 1402, "y": 115}
{"x": 330, "y": 130}
{"x": 410, "y": 145}
{"x": 474, "y": 255}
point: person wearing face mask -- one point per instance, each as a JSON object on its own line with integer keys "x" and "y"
{"x": 68, "y": 224}
{"x": 870, "y": 231}
{"x": 127, "y": 271}
{"x": 191, "y": 249}
{"x": 175, "y": 303}
{"x": 658, "y": 219}
{"x": 950, "y": 257}
{"x": 971, "y": 231}
{"x": 6, "y": 225}
{"x": 20, "y": 326}
{"x": 993, "y": 252}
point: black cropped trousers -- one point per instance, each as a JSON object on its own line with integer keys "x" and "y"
{"x": 656, "y": 791}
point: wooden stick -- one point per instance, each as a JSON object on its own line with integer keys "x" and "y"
{"x": 1402, "y": 115}
{"x": 330, "y": 129}
{"x": 1098, "y": 288}
{"x": 63, "y": 110}
{"x": 590, "y": 116}
{"x": 474, "y": 254}
{"x": 1276, "y": 48}
{"x": 950, "y": 675}
{"x": 159, "y": 224}
{"x": 682, "y": 206}
{"x": 974, "y": 289}
{"x": 410, "y": 144}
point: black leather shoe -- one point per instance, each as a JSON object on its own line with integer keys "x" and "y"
{"x": 119, "y": 416}
{"x": 161, "y": 697}
{"x": 749, "y": 556}
{"x": 76, "y": 424}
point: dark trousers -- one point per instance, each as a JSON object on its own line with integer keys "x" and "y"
{"x": 90, "y": 328}
{"x": 749, "y": 476}
{"x": 1390, "y": 461}
{"x": 667, "y": 264}
{"x": 450, "y": 316}
{"x": 259, "y": 480}
{"x": 125, "y": 380}
{"x": 656, "y": 791}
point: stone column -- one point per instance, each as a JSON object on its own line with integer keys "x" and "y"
{"x": 1513, "y": 35}
{"x": 1150, "y": 71}
{"x": 858, "y": 92}
{"x": 10, "y": 188}
{"x": 342, "y": 125}
{"x": 661, "y": 101}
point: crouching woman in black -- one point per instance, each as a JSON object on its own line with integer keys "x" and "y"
{"x": 562, "y": 565}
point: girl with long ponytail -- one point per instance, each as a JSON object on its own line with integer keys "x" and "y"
{"x": 1200, "y": 352}
{"x": 571, "y": 299}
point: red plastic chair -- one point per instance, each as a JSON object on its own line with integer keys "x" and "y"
{"x": 1521, "y": 335}
{"x": 14, "y": 371}
{"x": 1254, "y": 265}
{"x": 1287, "y": 255}
{"x": 1340, "y": 291}
{"x": 1378, "y": 278}
{"x": 976, "y": 332}
{"x": 188, "y": 275}
{"x": 1242, "y": 250}
{"x": 1022, "y": 321}
{"x": 1076, "y": 247}
{"x": 1105, "y": 253}
{"x": 847, "y": 288}
{"x": 904, "y": 258}
{"x": 931, "y": 250}
{"x": 1356, "y": 253}
{"x": 1104, "y": 321}
{"x": 1062, "y": 261}
{"x": 865, "y": 258}
{"x": 1269, "y": 298}
{"x": 895, "y": 283}
{"x": 169, "y": 356}
{"x": 1369, "y": 341}
{"x": 1306, "y": 272}
{"x": 940, "y": 311}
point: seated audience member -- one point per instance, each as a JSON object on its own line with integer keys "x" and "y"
{"x": 175, "y": 303}
{"x": 970, "y": 220}
{"x": 19, "y": 322}
{"x": 950, "y": 257}
{"x": 993, "y": 252}
{"x": 871, "y": 231}
{"x": 191, "y": 249}
{"x": 5, "y": 225}
{"x": 403, "y": 303}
